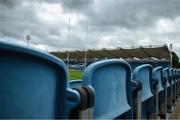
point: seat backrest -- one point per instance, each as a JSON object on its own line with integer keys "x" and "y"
{"x": 171, "y": 76}
{"x": 178, "y": 73}
{"x": 174, "y": 73}
{"x": 75, "y": 83}
{"x": 111, "y": 82}
{"x": 143, "y": 73}
{"x": 33, "y": 84}
{"x": 157, "y": 74}
{"x": 166, "y": 75}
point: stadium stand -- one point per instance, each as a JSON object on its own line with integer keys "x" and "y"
{"x": 142, "y": 85}
{"x": 160, "y": 52}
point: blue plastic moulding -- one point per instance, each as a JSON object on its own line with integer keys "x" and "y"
{"x": 171, "y": 82}
{"x": 143, "y": 73}
{"x": 33, "y": 84}
{"x": 171, "y": 76}
{"x": 111, "y": 80}
{"x": 178, "y": 82}
{"x": 166, "y": 76}
{"x": 157, "y": 74}
{"x": 162, "y": 91}
{"x": 75, "y": 83}
{"x": 174, "y": 86}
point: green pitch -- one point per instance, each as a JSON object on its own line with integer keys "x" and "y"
{"x": 74, "y": 74}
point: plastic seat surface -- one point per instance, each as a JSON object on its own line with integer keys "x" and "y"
{"x": 157, "y": 74}
{"x": 33, "y": 84}
{"x": 75, "y": 83}
{"x": 166, "y": 76}
{"x": 174, "y": 73}
{"x": 144, "y": 74}
{"x": 110, "y": 80}
{"x": 178, "y": 73}
{"x": 171, "y": 75}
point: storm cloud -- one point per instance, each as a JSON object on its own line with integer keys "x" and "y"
{"x": 111, "y": 23}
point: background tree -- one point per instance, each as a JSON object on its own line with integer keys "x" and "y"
{"x": 175, "y": 60}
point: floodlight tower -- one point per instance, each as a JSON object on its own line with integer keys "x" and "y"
{"x": 171, "y": 47}
{"x": 85, "y": 52}
{"x": 68, "y": 55}
{"x": 171, "y": 50}
{"x": 28, "y": 38}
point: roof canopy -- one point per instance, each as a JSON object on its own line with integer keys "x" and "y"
{"x": 139, "y": 53}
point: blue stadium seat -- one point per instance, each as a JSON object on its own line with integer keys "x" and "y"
{"x": 33, "y": 84}
{"x": 178, "y": 82}
{"x": 84, "y": 109}
{"x": 111, "y": 80}
{"x": 75, "y": 83}
{"x": 158, "y": 75}
{"x": 144, "y": 74}
{"x": 166, "y": 76}
{"x": 169, "y": 86}
{"x": 174, "y": 86}
{"x": 171, "y": 79}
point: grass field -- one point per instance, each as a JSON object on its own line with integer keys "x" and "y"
{"x": 74, "y": 74}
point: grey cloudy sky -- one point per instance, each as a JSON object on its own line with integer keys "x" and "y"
{"x": 111, "y": 23}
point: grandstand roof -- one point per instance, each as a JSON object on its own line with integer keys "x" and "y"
{"x": 135, "y": 53}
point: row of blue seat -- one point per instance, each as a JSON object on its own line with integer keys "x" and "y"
{"x": 34, "y": 84}
{"x": 112, "y": 83}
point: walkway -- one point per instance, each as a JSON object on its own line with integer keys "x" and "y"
{"x": 176, "y": 114}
